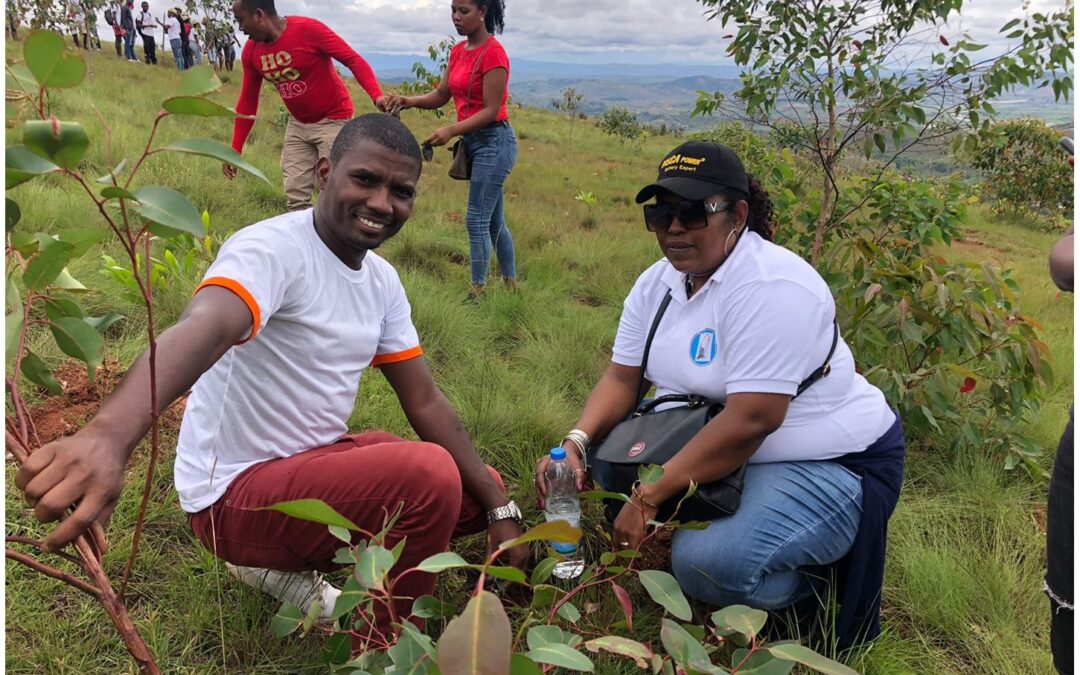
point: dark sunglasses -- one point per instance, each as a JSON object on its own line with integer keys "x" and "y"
{"x": 426, "y": 151}
{"x": 692, "y": 215}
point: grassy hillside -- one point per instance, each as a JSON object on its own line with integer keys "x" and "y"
{"x": 964, "y": 577}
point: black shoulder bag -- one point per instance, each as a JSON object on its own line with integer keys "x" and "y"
{"x": 647, "y": 437}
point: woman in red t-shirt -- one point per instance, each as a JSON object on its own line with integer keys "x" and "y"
{"x": 476, "y": 77}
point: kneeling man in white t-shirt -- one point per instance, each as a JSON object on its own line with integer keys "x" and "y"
{"x": 272, "y": 346}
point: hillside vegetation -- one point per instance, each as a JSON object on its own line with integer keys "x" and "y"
{"x": 966, "y": 549}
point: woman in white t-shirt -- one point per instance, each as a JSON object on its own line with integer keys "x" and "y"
{"x": 747, "y": 323}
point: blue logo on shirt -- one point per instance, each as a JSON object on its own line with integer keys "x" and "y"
{"x": 703, "y": 347}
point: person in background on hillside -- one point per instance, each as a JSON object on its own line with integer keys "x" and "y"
{"x": 77, "y": 22}
{"x": 1059, "y": 508}
{"x": 749, "y": 325}
{"x": 185, "y": 38}
{"x": 477, "y": 77}
{"x": 272, "y": 346}
{"x": 146, "y": 25}
{"x": 172, "y": 30}
{"x": 231, "y": 43}
{"x": 127, "y": 22}
{"x": 112, "y": 15}
{"x": 296, "y": 55}
{"x": 194, "y": 45}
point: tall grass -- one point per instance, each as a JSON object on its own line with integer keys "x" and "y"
{"x": 966, "y": 544}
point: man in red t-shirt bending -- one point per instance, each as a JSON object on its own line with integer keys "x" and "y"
{"x": 296, "y": 55}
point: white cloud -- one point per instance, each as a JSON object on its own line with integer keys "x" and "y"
{"x": 612, "y": 30}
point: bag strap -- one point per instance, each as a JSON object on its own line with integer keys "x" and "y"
{"x": 648, "y": 345}
{"x": 823, "y": 370}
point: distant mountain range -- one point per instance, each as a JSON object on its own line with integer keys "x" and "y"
{"x": 662, "y": 93}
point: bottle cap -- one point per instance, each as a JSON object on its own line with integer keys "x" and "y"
{"x": 558, "y": 454}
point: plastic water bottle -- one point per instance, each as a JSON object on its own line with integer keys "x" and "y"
{"x": 563, "y": 504}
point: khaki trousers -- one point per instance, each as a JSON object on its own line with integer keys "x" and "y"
{"x": 304, "y": 145}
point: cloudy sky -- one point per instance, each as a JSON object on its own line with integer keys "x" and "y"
{"x": 595, "y": 31}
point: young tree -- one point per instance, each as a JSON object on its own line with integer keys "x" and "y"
{"x": 878, "y": 73}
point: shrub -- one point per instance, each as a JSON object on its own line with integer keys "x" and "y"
{"x": 1027, "y": 173}
{"x": 622, "y": 124}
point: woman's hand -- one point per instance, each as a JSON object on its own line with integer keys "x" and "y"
{"x": 575, "y": 462}
{"x": 439, "y": 137}
{"x": 631, "y": 525}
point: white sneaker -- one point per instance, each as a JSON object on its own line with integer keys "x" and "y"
{"x": 297, "y": 588}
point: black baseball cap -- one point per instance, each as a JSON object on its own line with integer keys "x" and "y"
{"x": 695, "y": 170}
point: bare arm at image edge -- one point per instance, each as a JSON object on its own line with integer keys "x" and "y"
{"x": 1061, "y": 261}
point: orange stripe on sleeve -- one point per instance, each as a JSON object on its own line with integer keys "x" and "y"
{"x": 383, "y": 359}
{"x": 242, "y": 293}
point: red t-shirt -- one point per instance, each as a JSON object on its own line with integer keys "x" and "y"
{"x": 462, "y": 67}
{"x": 300, "y": 64}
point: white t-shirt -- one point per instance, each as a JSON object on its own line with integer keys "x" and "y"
{"x": 147, "y": 20}
{"x": 291, "y": 385}
{"x": 172, "y": 25}
{"x": 761, "y": 324}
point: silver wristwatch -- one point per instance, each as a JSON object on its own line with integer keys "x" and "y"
{"x": 509, "y": 511}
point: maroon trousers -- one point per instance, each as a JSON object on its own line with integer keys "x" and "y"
{"x": 363, "y": 478}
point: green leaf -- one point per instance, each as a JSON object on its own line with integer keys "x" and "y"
{"x": 25, "y": 243}
{"x": 63, "y": 142}
{"x": 663, "y": 589}
{"x": 22, "y": 165}
{"x": 545, "y": 634}
{"x": 169, "y": 208}
{"x": 478, "y": 641}
{"x": 682, "y": 646}
{"x": 195, "y": 105}
{"x": 14, "y": 320}
{"x": 338, "y": 648}
{"x": 79, "y": 340}
{"x": 542, "y": 571}
{"x": 564, "y": 656}
{"x": 879, "y": 141}
{"x": 430, "y": 607}
{"x": 375, "y": 562}
{"x": 569, "y": 612}
{"x": 521, "y": 665}
{"x": 603, "y": 494}
{"x": 217, "y": 150}
{"x": 109, "y": 178}
{"x": 623, "y": 647}
{"x": 352, "y": 594}
{"x": 198, "y": 81}
{"x": 443, "y": 561}
{"x": 60, "y": 305}
{"x": 556, "y": 530}
{"x": 313, "y": 510}
{"x": 67, "y": 282}
{"x": 102, "y": 323}
{"x": 50, "y": 65}
{"x": 113, "y": 192}
{"x": 740, "y": 618}
{"x": 423, "y": 641}
{"x": 47, "y": 265}
{"x": 340, "y": 533}
{"x": 18, "y": 76}
{"x": 760, "y": 662}
{"x": 286, "y": 621}
{"x": 650, "y": 473}
{"x": 12, "y": 213}
{"x": 810, "y": 658}
{"x": 507, "y": 573}
{"x": 35, "y": 370}
{"x": 82, "y": 239}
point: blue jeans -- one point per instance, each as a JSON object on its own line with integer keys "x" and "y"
{"x": 178, "y": 53}
{"x": 129, "y": 45}
{"x": 793, "y": 516}
{"x": 492, "y": 151}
